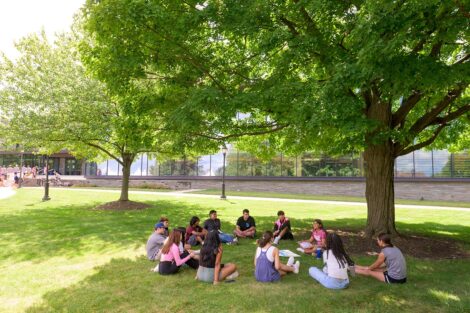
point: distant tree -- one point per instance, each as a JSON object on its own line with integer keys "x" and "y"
{"x": 49, "y": 103}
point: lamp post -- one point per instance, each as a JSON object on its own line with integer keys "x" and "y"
{"x": 224, "y": 153}
{"x": 46, "y": 185}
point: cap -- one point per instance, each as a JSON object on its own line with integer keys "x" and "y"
{"x": 159, "y": 225}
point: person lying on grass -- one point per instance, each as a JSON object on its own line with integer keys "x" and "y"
{"x": 390, "y": 266}
{"x": 268, "y": 267}
{"x": 246, "y": 226}
{"x": 336, "y": 262}
{"x": 171, "y": 259}
{"x": 282, "y": 228}
{"x": 211, "y": 269}
{"x": 317, "y": 239}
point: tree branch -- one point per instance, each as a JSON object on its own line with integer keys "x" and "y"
{"x": 291, "y": 25}
{"x": 105, "y": 151}
{"x": 421, "y": 144}
{"x": 252, "y": 133}
{"x": 453, "y": 115}
{"x": 429, "y": 117}
{"x": 400, "y": 115}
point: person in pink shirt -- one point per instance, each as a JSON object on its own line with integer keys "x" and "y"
{"x": 171, "y": 259}
{"x": 317, "y": 239}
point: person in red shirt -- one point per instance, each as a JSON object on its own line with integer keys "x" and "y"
{"x": 194, "y": 233}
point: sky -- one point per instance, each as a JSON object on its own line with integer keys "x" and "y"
{"x": 21, "y": 17}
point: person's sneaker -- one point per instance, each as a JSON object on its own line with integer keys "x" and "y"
{"x": 352, "y": 270}
{"x": 232, "y": 276}
{"x": 301, "y": 250}
{"x": 235, "y": 241}
{"x": 296, "y": 267}
{"x": 276, "y": 240}
{"x": 156, "y": 268}
{"x": 291, "y": 261}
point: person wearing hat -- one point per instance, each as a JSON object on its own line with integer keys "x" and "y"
{"x": 155, "y": 241}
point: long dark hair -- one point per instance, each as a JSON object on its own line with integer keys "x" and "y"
{"x": 335, "y": 244}
{"x": 265, "y": 239}
{"x": 173, "y": 238}
{"x": 193, "y": 221}
{"x": 210, "y": 248}
{"x": 183, "y": 233}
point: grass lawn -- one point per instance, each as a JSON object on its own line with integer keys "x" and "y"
{"x": 64, "y": 256}
{"x": 266, "y": 194}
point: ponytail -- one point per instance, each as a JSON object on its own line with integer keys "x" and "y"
{"x": 265, "y": 239}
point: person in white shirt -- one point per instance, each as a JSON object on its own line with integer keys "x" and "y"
{"x": 335, "y": 272}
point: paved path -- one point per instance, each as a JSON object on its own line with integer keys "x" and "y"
{"x": 6, "y": 192}
{"x": 179, "y": 194}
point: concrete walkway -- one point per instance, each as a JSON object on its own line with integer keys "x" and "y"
{"x": 6, "y": 192}
{"x": 179, "y": 194}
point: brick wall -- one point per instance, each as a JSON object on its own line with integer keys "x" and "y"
{"x": 416, "y": 190}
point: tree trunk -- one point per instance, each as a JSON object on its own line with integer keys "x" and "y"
{"x": 127, "y": 160}
{"x": 380, "y": 193}
{"x": 379, "y": 165}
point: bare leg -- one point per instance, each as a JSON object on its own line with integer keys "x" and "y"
{"x": 377, "y": 274}
{"x": 249, "y": 233}
{"x": 285, "y": 268}
{"x": 228, "y": 269}
{"x": 239, "y": 233}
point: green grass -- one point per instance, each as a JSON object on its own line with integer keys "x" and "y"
{"x": 63, "y": 256}
{"x": 266, "y": 194}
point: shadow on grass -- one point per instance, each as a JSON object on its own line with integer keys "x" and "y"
{"x": 35, "y": 233}
{"x": 39, "y": 233}
{"x": 125, "y": 285}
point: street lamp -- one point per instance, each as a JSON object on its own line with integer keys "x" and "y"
{"x": 46, "y": 185}
{"x": 224, "y": 153}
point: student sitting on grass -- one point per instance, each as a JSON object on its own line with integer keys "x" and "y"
{"x": 213, "y": 223}
{"x": 194, "y": 232}
{"x": 317, "y": 239}
{"x": 390, "y": 266}
{"x": 171, "y": 259}
{"x": 211, "y": 269}
{"x": 337, "y": 261}
{"x": 155, "y": 242}
{"x": 268, "y": 267}
{"x": 282, "y": 228}
{"x": 246, "y": 226}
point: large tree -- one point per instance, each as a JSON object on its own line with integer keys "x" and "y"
{"x": 49, "y": 103}
{"x": 382, "y": 77}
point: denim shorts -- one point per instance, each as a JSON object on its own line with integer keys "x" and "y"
{"x": 206, "y": 274}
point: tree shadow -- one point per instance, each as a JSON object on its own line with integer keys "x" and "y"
{"x": 127, "y": 285}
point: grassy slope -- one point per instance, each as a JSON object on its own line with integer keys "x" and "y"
{"x": 327, "y": 198}
{"x": 64, "y": 256}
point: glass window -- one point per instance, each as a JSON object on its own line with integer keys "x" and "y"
{"x": 461, "y": 165}
{"x": 442, "y": 163}
{"x": 404, "y": 166}
{"x": 217, "y": 164}
{"x": 311, "y": 165}
{"x": 204, "y": 165}
{"x": 152, "y": 166}
{"x": 136, "y": 166}
{"x": 113, "y": 168}
{"x": 231, "y": 163}
{"x": 259, "y": 168}
{"x": 73, "y": 167}
{"x": 288, "y": 166}
{"x": 423, "y": 163}
{"x": 274, "y": 167}
{"x": 244, "y": 164}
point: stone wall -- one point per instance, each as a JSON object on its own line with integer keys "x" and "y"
{"x": 404, "y": 189}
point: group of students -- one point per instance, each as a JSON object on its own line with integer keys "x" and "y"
{"x": 173, "y": 249}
